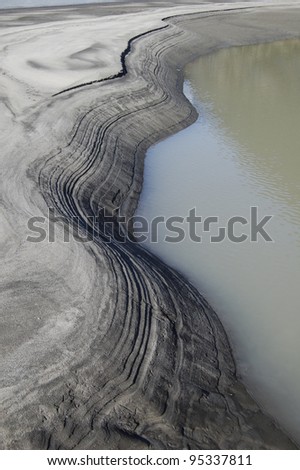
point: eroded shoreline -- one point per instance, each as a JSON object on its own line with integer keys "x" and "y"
{"x": 132, "y": 356}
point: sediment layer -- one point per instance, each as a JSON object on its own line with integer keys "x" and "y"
{"x": 120, "y": 352}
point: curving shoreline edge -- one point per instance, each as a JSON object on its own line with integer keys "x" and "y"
{"x": 150, "y": 365}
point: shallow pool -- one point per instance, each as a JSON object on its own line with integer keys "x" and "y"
{"x": 243, "y": 152}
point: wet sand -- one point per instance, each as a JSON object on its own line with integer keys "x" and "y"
{"x": 104, "y": 346}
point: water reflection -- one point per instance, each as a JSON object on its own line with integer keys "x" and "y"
{"x": 263, "y": 114}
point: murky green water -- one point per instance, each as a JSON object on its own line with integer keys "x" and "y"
{"x": 243, "y": 151}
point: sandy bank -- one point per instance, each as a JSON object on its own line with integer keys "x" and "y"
{"x": 103, "y": 345}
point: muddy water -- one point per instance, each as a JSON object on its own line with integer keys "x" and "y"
{"x": 243, "y": 152}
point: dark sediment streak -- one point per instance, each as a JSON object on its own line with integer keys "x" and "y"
{"x": 126, "y": 51}
{"x": 123, "y": 70}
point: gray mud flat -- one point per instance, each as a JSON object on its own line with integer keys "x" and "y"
{"x": 104, "y": 346}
